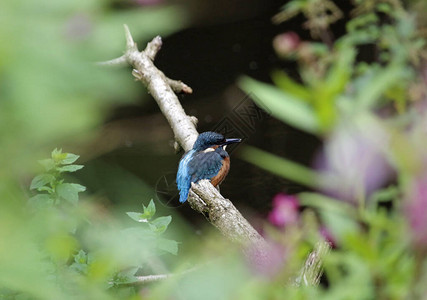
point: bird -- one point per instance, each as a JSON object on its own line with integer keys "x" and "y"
{"x": 207, "y": 160}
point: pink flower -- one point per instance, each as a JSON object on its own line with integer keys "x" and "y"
{"x": 267, "y": 260}
{"x": 327, "y": 235}
{"x": 286, "y": 43}
{"x": 285, "y": 210}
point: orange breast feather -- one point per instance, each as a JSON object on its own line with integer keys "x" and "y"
{"x": 216, "y": 180}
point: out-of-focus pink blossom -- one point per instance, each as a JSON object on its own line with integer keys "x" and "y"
{"x": 327, "y": 235}
{"x": 416, "y": 212}
{"x": 267, "y": 260}
{"x": 285, "y": 210}
{"x": 353, "y": 162}
{"x": 286, "y": 43}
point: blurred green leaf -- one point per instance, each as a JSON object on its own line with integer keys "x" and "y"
{"x": 137, "y": 216}
{"x": 70, "y": 191}
{"x": 70, "y": 168}
{"x": 150, "y": 210}
{"x": 288, "y": 85}
{"x": 280, "y": 166}
{"x": 48, "y": 164}
{"x": 160, "y": 224}
{"x": 41, "y": 180}
{"x": 291, "y": 110}
{"x": 69, "y": 158}
{"x": 377, "y": 85}
{"x": 41, "y": 201}
{"x": 169, "y": 246}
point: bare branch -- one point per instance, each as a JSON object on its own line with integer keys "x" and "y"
{"x": 119, "y": 61}
{"x": 153, "y": 47}
{"x": 222, "y": 214}
{"x": 130, "y": 44}
{"x": 312, "y": 270}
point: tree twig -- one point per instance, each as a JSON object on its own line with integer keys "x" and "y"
{"x": 312, "y": 270}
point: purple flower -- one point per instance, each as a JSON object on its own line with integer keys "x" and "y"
{"x": 267, "y": 260}
{"x": 353, "y": 162}
{"x": 416, "y": 212}
{"x": 285, "y": 210}
{"x": 327, "y": 235}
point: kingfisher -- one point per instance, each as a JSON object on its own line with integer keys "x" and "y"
{"x": 207, "y": 160}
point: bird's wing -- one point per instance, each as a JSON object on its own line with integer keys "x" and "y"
{"x": 183, "y": 177}
{"x": 204, "y": 165}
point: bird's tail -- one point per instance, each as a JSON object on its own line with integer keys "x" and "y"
{"x": 184, "y": 185}
{"x": 183, "y": 194}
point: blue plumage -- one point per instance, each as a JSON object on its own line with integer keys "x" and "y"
{"x": 207, "y": 160}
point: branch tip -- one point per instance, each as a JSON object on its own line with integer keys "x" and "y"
{"x": 130, "y": 44}
{"x": 153, "y": 47}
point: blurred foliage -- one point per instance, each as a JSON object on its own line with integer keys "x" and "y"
{"x": 71, "y": 253}
{"x": 369, "y": 178}
{"x": 50, "y": 88}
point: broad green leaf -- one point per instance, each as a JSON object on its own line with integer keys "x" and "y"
{"x": 322, "y": 202}
{"x": 170, "y": 246}
{"x": 280, "y": 166}
{"x": 283, "y": 106}
{"x": 41, "y": 201}
{"x": 41, "y": 180}
{"x": 382, "y": 80}
{"x": 70, "y": 168}
{"x": 70, "y": 191}
{"x": 288, "y": 85}
{"x": 150, "y": 210}
{"x": 160, "y": 224}
{"x": 139, "y": 217}
{"x": 69, "y": 158}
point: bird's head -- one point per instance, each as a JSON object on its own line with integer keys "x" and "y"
{"x": 213, "y": 140}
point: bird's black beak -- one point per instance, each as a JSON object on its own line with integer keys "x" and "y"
{"x": 231, "y": 141}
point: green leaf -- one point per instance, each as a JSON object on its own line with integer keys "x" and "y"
{"x": 170, "y": 246}
{"x": 377, "y": 85}
{"x": 69, "y": 158}
{"x": 41, "y": 180}
{"x": 80, "y": 263}
{"x": 126, "y": 277}
{"x": 41, "y": 201}
{"x": 288, "y": 85}
{"x": 70, "y": 168}
{"x": 70, "y": 191}
{"x": 81, "y": 257}
{"x": 48, "y": 163}
{"x": 283, "y": 106}
{"x": 150, "y": 210}
{"x": 160, "y": 224}
{"x": 58, "y": 156}
{"x": 280, "y": 166}
{"x": 139, "y": 217}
